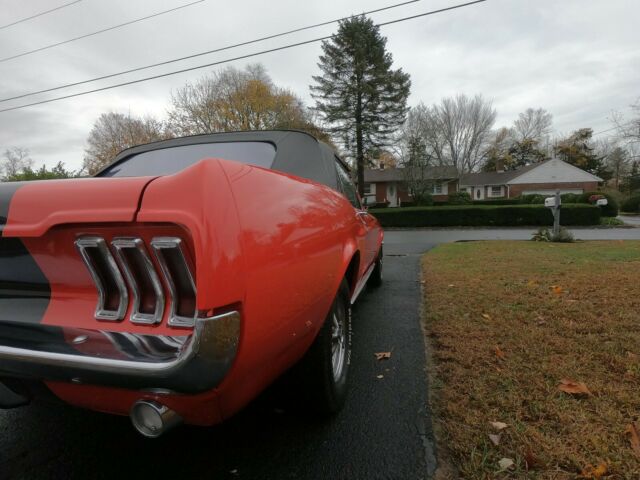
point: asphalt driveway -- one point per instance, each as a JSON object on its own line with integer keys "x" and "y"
{"x": 383, "y": 432}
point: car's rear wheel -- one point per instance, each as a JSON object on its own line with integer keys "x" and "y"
{"x": 376, "y": 276}
{"x": 324, "y": 370}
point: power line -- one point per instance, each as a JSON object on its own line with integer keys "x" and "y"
{"x": 39, "y": 14}
{"x": 188, "y": 57}
{"x": 47, "y": 47}
{"x": 241, "y": 57}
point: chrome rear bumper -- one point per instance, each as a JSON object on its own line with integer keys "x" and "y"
{"x": 187, "y": 364}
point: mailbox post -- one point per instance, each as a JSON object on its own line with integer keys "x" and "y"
{"x": 554, "y": 203}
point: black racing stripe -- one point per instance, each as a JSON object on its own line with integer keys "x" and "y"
{"x": 24, "y": 290}
{"x": 7, "y": 191}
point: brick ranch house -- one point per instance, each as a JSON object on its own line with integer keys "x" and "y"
{"x": 383, "y": 185}
{"x": 541, "y": 178}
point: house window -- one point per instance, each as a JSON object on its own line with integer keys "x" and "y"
{"x": 437, "y": 189}
{"x": 367, "y": 189}
{"x": 496, "y": 191}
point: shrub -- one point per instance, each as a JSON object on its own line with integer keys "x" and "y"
{"x": 570, "y": 198}
{"x": 425, "y": 200}
{"x": 485, "y": 215}
{"x": 631, "y": 205}
{"x": 532, "y": 199}
{"x": 459, "y": 198}
{"x": 498, "y": 201}
{"x": 609, "y": 210}
{"x": 546, "y": 235}
{"x": 611, "y": 222}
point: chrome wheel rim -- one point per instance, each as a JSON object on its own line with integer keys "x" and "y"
{"x": 338, "y": 344}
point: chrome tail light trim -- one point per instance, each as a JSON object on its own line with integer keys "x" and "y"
{"x": 173, "y": 267}
{"x": 106, "y": 273}
{"x": 136, "y": 247}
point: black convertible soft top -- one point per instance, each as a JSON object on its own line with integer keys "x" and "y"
{"x": 298, "y": 153}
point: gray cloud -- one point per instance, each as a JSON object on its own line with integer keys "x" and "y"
{"x": 580, "y": 59}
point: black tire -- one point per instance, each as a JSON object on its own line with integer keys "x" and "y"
{"x": 325, "y": 387}
{"x": 375, "y": 280}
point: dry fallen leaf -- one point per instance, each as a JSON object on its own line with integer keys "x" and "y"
{"x": 532, "y": 462}
{"x": 505, "y": 463}
{"x": 451, "y": 285}
{"x": 634, "y": 438}
{"x": 495, "y": 439}
{"x": 486, "y": 316}
{"x": 557, "y": 289}
{"x": 573, "y": 388}
{"x": 632, "y": 355}
{"x": 532, "y": 283}
{"x": 499, "y": 353}
{"x": 594, "y": 473}
{"x": 382, "y": 355}
{"x": 499, "y": 425}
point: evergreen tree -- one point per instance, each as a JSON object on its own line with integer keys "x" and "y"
{"x": 358, "y": 93}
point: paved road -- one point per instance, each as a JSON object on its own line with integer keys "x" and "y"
{"x": 383, "y": 432}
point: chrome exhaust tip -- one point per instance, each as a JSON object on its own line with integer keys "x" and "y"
{"x": 152, "y": 419}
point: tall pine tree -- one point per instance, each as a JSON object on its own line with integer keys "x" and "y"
{"x": 359, "y": 94}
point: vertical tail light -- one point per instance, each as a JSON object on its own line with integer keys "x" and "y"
{"x": 146, "y": 289}
{"x": 171, "y": 257}
{"x": 113, "y": 298}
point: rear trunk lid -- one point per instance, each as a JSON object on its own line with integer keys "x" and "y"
{"x": 29, "y": 209}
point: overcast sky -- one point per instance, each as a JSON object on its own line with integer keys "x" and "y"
{"x": 579, "y": 59}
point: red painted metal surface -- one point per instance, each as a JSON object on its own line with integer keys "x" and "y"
{"x": 274, "y": 246}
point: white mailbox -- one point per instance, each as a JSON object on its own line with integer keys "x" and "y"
{"x": 550, "y": 202}
{"x": 601, "y": 202}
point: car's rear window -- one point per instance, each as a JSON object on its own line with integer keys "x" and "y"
{"x": 171, "y": 160}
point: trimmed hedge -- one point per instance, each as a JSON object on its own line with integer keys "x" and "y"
{"x": 631, "y": 205}
{"x": 486, "y": 216}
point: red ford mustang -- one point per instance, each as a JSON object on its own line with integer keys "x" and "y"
{"x": 183, "y": 279}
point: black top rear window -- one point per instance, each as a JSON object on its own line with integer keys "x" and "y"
{"x": 171, "y": 160}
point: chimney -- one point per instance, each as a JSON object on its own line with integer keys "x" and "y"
{"x": 499, "y": 165}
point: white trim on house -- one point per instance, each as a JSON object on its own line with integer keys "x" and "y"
{"x": 442, "y": 190}
{"x": 493, "y": 194}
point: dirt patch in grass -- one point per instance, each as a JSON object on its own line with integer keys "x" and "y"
{"x": 506, "y": 323}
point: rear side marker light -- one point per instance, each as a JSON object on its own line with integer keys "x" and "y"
{"x": 146, "y": 288}
{"x": 113, "y": 298}
{"x": 182, "y": 289}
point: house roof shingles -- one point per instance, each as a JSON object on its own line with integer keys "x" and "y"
{"x": 372, "y": 175}
{"x": 495, "y": 178}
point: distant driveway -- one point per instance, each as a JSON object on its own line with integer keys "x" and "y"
{"x": 630, "y": 219}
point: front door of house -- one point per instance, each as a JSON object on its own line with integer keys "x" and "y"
{"x": 478, "y": 193}
{"x": 392, "y": 195}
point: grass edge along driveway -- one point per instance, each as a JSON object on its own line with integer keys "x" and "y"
{"x": 535, "y": 357}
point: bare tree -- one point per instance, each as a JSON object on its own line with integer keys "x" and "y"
{"x": 16, "y": 160}
{"x": 232, "y": 99}
{"x": 532, "y": 125}
{"x": 629, "y": 130}
{"x": 113, "y": 132}
{"x": 456, "y": 130}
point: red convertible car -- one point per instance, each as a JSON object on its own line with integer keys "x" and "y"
{"x": 184, "y": 278}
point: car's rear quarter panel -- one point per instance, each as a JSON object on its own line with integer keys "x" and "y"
{"x": 273, "y": 245}
{"x": 293, "y": 236}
